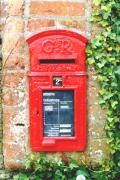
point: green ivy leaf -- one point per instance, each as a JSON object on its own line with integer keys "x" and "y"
{"x": 113, "y": 104}
{"x": 99, "y": 176}
{"x": 59, "y": 175}
{"x": 96, "y": 2}
{"x": 20, "y": 176}
{"x": 117, "y": 71}
{"x": 91, "y": 61}
{"x": 73, "y": 164}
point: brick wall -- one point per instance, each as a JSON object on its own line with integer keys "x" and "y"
{"x": 21, "y": 19}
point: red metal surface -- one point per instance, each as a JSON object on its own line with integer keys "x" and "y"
{"x": 52, "y": 45}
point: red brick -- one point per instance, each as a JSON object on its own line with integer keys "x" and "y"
{"x": 8, "y": 98}
{"x": 34, "y": 24}
{"x": 8, "y": 117}
{"x": 3, "y": 14}
{"x": 2, "y": 25}
{"x": 14, "y": 25}
{"x": 57, "y": 8}
{"x": 13, "y": 43}
{"x": 14, "y": 62}
{"x": 7, "y": 135}
{"x": 13, "y": 80}
{"x": 3, "y": 9}
{"x": 78, "y": 24}
{"x": 16, "y": 7}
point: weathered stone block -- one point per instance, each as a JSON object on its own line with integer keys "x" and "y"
{"x": 13, "y": 97}
{"x": 14, "y": 80}
{"x": 96, "y": 121}
{"x": 14, "y": 133}
{"x": 93, "y": 94}
{"x": 16, "y": 7}
{"x": 14, "y": 25}
{"x": 13, "y": 152}
{"x": 14, "y": 62}
{"x": 99, "y": 150}
{"x": 13, "y": 43}
{"x": 15, "y": 117}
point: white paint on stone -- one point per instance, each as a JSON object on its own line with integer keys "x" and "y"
{"x": 21, "y": 94}
{"x": 99, "y": 153}
{"x": 93, "y": 133}
{"x": 92, "y": 118}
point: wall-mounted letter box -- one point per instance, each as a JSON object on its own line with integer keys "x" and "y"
{"x": 57, "y": 91}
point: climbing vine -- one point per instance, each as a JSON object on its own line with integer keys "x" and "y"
{"x": 104, "y": 53}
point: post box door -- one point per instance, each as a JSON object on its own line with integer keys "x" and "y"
{"x": 58, "y": 119}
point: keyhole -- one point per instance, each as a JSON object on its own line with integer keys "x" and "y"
{"x": 37, "y": 113}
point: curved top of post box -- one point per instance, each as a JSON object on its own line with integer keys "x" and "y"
{"x": 57, "y": 32}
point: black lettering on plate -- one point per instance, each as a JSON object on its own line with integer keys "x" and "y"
{"x": 58, "y": 112}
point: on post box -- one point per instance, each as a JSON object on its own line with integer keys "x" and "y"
{"x": 57, "y": 91}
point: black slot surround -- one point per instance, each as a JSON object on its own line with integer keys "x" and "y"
{"x": 57, "y": 61}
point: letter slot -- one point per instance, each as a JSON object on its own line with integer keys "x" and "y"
{"x": 57, "y": 61}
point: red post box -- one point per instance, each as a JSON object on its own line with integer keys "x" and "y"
{"x": 57, "y": 91}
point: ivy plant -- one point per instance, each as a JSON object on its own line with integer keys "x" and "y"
{"x": 104, "y": 53}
